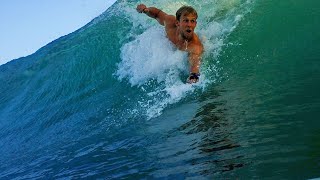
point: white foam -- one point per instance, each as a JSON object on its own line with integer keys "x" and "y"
{"x": 151, "y": 58}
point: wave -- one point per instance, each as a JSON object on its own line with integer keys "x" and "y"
{"x": 117, "y": 69}
{"x": 149, "y": 58}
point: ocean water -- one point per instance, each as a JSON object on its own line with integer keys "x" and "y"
{"x": 109, "y": 101}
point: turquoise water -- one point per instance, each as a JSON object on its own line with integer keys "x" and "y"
{"x": 107, "y": 102}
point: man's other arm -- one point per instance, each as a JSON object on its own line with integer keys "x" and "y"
{"x": 195, "y": 59}
{"x": 154, "y": 12}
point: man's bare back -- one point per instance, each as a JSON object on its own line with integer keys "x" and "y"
{"x": 180, "y": 31}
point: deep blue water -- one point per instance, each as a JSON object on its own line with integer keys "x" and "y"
{"x": 108, "y": 102}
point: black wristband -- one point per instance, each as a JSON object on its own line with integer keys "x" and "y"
{"x": 194, "y": 76}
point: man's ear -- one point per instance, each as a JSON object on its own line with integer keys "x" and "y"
{"x": 177, "y": 23}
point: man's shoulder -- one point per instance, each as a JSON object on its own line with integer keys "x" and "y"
{"x": 196, "y": 46}
{"x": 170, "y": 20}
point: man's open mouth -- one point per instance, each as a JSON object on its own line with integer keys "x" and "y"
{"x": 189, "y": 31}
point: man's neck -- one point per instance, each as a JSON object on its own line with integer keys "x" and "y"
{"x": 183, "y": 39}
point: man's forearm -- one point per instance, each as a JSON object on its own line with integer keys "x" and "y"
{"x": 151, "y": 12}
{"x": 194, "y": 68}
{"x": 194, "y": 61}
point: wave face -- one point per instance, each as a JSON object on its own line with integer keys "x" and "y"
{"x": 110, "y": 100}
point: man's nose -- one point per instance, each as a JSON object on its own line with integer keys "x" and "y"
{"x": 189, "y": 23}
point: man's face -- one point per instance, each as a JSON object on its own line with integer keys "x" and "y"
{"x": 187, "y": 24}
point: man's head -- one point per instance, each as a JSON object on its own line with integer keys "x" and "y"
{"x": 185, "y": 10}
{"x": 186, "y": 22}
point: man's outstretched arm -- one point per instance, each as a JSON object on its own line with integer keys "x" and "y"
{"x": 153, "y": 12}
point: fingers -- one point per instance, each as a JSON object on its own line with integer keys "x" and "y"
{"x": 141, "y": 7}
{"x": 190, "y": 81}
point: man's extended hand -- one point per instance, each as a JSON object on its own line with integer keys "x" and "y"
{"x": 141, "y": 8}
{"x": 193, "y": 78}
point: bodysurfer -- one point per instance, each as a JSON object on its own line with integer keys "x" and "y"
{"x": 180, "y": 31}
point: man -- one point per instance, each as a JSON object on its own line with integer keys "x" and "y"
{"x": 180, "y": 31}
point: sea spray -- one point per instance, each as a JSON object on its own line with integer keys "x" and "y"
{"x": 150, "y": 61}
{"x": 151, "y": 57}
